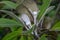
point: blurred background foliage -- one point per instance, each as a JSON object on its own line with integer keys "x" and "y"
{"x": 13, "y": 29}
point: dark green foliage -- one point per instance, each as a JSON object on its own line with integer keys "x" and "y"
{"x": 48, "y": 21}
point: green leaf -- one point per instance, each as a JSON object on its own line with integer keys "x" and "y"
{"x": 58, "y": 38}
{"x": 43, "y": 7}
{"x": 8, "y": 23}
{"x": 15, "y": 38}
{"x": 9, "y": 5}
{"x": 13, "y": 34}
{"x": 43, "y": 37}
{"x": 30, "y": 37}
{"x": 51, "y": 14}
{"x": 23, "y": 37}
{"x": 47, "y": 11}
{"x": 56, "y": 26}
{"x": 12, "y": 15}
{"x": 31, "y": 30}
{"x": 13, "y": 28}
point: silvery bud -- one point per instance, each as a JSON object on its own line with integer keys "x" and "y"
{"x": 26, "y": 20}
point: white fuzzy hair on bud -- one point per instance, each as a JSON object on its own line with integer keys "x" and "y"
{"x": 26, "y": 20}
{"x": 34, "y": 13}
